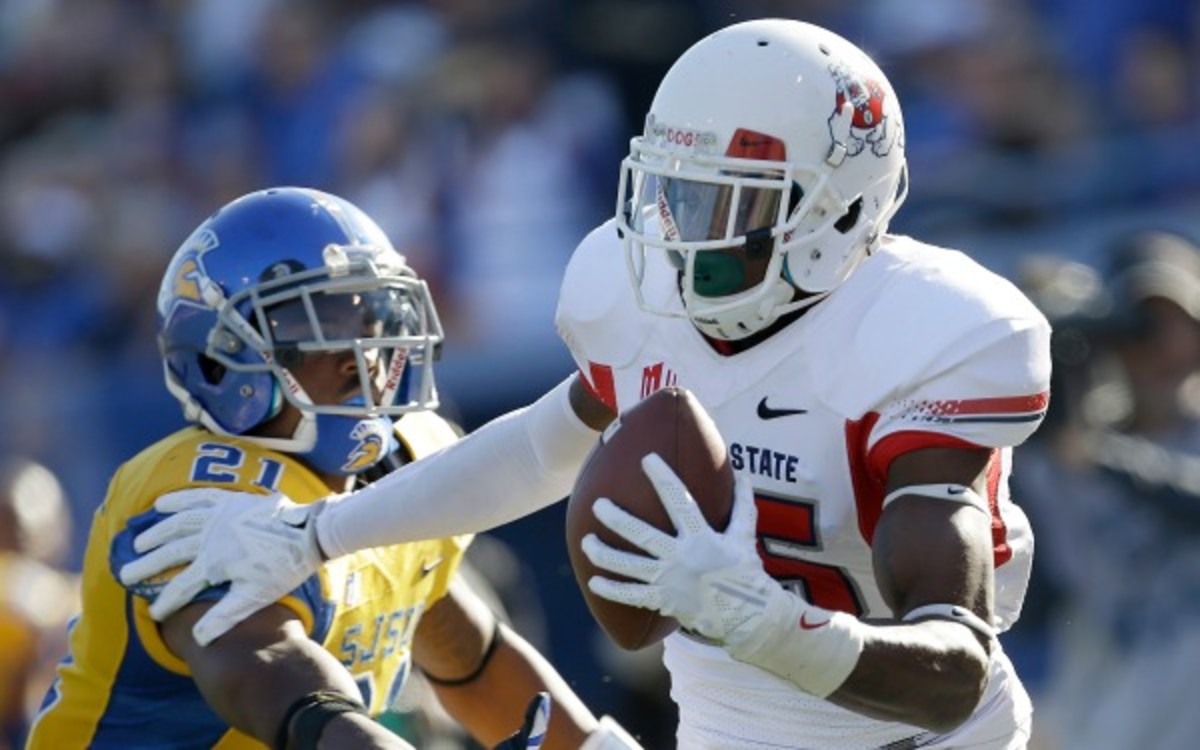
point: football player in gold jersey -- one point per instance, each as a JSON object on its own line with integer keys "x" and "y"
{"x": 300, "y": 345}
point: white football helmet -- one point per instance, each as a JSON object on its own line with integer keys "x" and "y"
{"x": 771, "y": 163}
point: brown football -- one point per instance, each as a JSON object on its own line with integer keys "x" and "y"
{"x": 672, "y": 423}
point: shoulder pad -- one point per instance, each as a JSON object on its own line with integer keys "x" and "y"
{"x": 425, "y": 432}
{"x": 598, "y": 316}
{"x": 909, "y": 313}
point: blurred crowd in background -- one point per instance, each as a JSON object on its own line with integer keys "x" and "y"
{"x": 1057, "y": 141}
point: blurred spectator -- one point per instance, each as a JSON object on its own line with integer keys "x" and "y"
{"x": 511, "y": 226}
{"x": 1114, "y": 491}
{"x": 36, "y": 597}
{"x": 297, "y": 91}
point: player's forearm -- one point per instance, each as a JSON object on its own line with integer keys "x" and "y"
{"x": 490, "y": 706}
{"x": 512, "y": 466}
{"x": 256, "y": 695}
{"x": 254, "y": 673}
{"x": 359, "y": 731}
{"x": 930, "y": 674}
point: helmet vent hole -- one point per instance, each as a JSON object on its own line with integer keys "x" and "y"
{"x": 850, "y": 218}
{"x": 212, "y": 370}
{"x": 763, "y": 42}
{"x": 824, "y": 49}
{"x": 795, "y": 196}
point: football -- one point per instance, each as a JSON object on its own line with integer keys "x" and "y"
{"x": 672, "y": 423}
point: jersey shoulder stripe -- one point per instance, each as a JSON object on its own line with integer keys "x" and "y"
{"x": 923, "y": 311}
{"x": 1028, "y": 408}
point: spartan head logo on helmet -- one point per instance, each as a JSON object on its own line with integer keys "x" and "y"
{"x": 862, "y": 124}
{"x": 185, "y": 279}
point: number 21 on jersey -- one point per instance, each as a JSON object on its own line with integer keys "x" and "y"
{"x": 218, "y": 462}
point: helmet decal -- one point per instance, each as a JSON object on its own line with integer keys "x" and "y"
{"x": 679, "y": 138}
{"x": 865, "y": 122}
{"x": 185, "y": 277}
{"x": 370, "y": 447}
{"x": 349, "y": 445}
{"x": 749, "y": 144}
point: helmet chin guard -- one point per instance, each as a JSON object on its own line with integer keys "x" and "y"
{"x": 771, "y": 163}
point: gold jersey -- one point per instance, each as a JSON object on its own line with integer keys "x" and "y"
{"x": 121, "y": 687}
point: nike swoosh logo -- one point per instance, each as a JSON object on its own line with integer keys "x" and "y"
{"x": 956, "y": 490}
{"x": 766, "y": 412}
{"x": 428, "y": 566}
{"x": 806, "y": 625}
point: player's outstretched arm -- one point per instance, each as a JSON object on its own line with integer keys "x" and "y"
{"x": 932, "y": 558}
{"x": 485, "y": 674}
{"x": 529, "y": 458}
{"x": 512, "y": 466}
{"x": 268, "y": 679}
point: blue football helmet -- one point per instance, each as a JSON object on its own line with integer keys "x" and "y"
{"x": 285, "y": 273}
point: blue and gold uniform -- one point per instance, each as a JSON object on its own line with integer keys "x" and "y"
{"x": 121, "y": 687}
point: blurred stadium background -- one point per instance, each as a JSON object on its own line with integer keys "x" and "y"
{"x": 485, "y": 136}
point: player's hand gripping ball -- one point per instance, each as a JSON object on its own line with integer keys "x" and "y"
{"x": 673, "y": 424}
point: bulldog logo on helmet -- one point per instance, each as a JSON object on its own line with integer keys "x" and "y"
{"x": 863, "y": 123}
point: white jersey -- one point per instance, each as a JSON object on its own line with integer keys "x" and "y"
{"x": 920, "y": 347}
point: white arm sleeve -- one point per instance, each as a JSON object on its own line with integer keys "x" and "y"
{"x": 512, "y": 466}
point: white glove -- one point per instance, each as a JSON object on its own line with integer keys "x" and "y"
{"x": 714, "y": 584}
{"x": 711, "y": 582}
{"x": 265, "y": 546}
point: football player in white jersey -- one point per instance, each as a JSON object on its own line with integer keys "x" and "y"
{"x": 870, "y": 388}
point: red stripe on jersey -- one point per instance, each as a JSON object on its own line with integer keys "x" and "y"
{"x": 869, "y": 487}
{"x": 906, "y": 441}
{"x": 601, "y": 384}
{"x": 869, "y": 468}
{"x": 1001, "y": 552}
{"x": 874, "y": 469}
{"x": 1004, "y": 405}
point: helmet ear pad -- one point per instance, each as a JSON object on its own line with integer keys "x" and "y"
{"x": 236, "y": 401}
{"x": 818, "y": 261}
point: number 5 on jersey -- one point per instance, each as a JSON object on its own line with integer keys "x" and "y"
{"x": 788, "y": 530}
